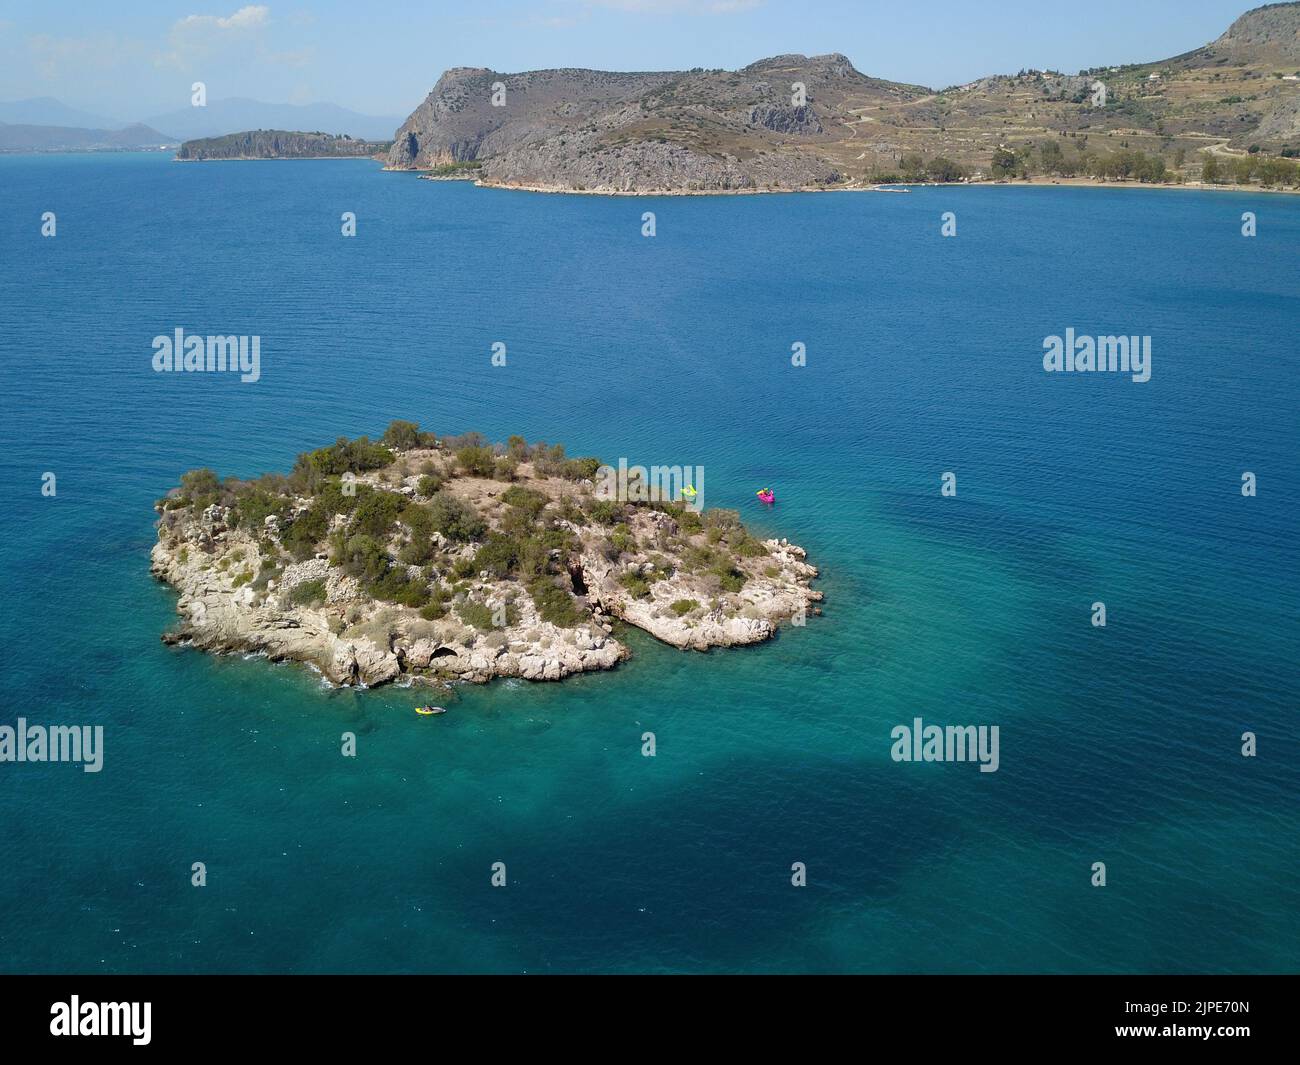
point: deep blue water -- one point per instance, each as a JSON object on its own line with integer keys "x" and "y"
{"x": 1120, "y": 745}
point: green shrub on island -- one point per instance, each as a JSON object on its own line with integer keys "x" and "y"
{"x": 730, "y": 579}
{"x": 307, "y": 593}
{"x": 476, "y": 615}
{"x": 201, "y": 487}
{"x": 301, "y": 537}
{"x": 580, "y": 469}
{"x": 343, "y": 456}
{"x": 476, "y": 461}
{"x": 716, "y": 561}
{"x": 364, "y": 558}
{"x": 636, "y": 584}
{"x": 254, "y": 506}
{"x": 528, "y": 500}
{"x": 440, "y": 598}
{"x": 682, "y": 607}
{"x": 394, "y": 585}
{"x": 568, "y": 509}
{"x": 690, "y": 521}
{"x": 455, "y": 519}
{"x": 607, "y": 511}
{"x": 525, "y": 553}
{"x": 455, "y": 443}
{"x": 419, "y": 550}
{"x": 428, "y": 485}
{"x": 359, "y": 556}
{"x": 376, "y": 513}
{"x": 554, "y": 604}
{"x": 403, "y": 436}
{"x": 548, "y": 460}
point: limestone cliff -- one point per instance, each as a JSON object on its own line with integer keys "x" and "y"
{"x": 278, "y": 144}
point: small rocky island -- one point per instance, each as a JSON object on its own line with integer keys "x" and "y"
{"x": 444, "y": 559}
{"x": 279, "y": 144}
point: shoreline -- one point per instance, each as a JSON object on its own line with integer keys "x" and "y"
{"x": 897, "y": 186}
{"x": 524, "y": 578}
{"x": 894, "y": 187}
{"x": 1093, "y": 183}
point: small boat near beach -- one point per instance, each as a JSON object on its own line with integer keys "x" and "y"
{"x": 766, "y": 495}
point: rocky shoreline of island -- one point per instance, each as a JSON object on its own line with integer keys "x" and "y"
{"x": 435, "y": 559}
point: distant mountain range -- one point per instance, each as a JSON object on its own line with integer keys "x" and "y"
{"x": 236, "y": 115}
{"x": 47, "y": 111}
{"x": 29, "y": 138}
{"x": 796, "y": 122}
{"x": 46, "y": 124}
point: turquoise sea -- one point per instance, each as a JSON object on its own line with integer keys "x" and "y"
{"x": 1120, "y": 745}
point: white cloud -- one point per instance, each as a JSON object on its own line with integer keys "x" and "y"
{"x": 674, "y": 7}
{"x": 195, "y": 37}
{"x": 244, "y": 18}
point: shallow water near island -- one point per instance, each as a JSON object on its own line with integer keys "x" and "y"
{"x": 1119, "y": 745}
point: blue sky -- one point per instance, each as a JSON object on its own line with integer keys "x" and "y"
{"x": 132, "y": 58}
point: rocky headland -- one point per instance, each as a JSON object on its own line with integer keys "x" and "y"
{"x": 279, "y": 144}
{"x": 450, "y": 559}
{"x": 1226, "y": 113}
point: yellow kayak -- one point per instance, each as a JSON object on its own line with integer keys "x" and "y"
{"x": 425, "y": 711}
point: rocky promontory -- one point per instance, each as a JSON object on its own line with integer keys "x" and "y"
{"x": 442, "y": 559}
{"x": 279, "y": 144}
{"x": 1228, "y": 112}
{"x": 668, "y": 131}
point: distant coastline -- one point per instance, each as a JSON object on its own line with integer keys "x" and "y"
{"x": 1222, "y": 114}
{"x": 1037, "y": 182}
{"x": 266, "y": 158}
{"x": 262, "y": 144}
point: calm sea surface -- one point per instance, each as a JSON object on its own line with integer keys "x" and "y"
{"x": 1120, "y": 745}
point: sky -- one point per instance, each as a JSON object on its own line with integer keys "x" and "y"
{"x": 129, "y": 59}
